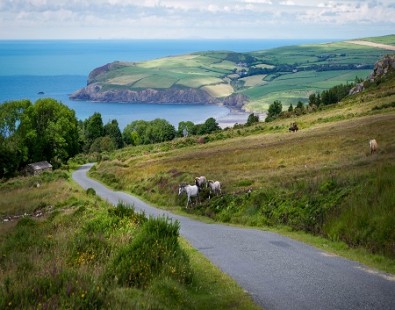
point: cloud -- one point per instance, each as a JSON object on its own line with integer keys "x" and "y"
{"x": 192, "y": 18}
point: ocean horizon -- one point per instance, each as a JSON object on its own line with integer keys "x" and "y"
{"x": 57, "y": 68}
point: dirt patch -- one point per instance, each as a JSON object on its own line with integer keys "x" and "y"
{"x": 372, "y": 44}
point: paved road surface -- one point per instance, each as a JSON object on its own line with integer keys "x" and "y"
{"x": 278, "y": 272}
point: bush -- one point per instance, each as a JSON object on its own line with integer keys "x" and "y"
{"x": 154, "y": 251}
{"x": 367, "y": 217}
{"x": 90, "y": 191}
{"x": 57, "y": 289}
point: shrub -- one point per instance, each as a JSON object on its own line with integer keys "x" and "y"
{"x": 90, "y": 191}
{"x": 57, "y": 289}
{"x": 154, "y": 251}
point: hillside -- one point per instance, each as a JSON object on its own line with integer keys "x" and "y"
{"x": 322, "y": 179}
{"x": 65, "y": 248}
{"x": 249, "y": 81}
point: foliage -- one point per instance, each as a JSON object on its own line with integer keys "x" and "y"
{"x": 93, "y": 129}
{"x": 189, "y": 128}
{"x": 333, "y": 95}
{"x": 60, "y": 259}
{"x": 96, "y": 138}
{"x": 274, "y": 110}
{"x": 148, "y": 132}
{"x": 11, "y": 115}
{"x": 252, "y": 119}
{"x": 367, "y": 217}
{"x": 46, "y": 130}
{"x": 102, "y": 144}
{"x": 50, "y": 131}
{"x": 112, "y": 130}
{"x": 151, "y": 253}
{"x": 209, "y": 126}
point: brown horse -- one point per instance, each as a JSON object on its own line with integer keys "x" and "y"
{"x": 294, "y": 127}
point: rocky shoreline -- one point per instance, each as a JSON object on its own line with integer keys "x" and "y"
{"x": 99, "y": 93}
{"x": 235, "y": 102}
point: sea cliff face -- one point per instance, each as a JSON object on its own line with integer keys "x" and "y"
{"x": 100, "y": 87}
{"x": 96, "y": 92}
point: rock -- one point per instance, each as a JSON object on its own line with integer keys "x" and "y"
{"x": 356, "y": 89}
{"x": 95, "y": 92}
{"x": 380, "y": 70}
{"x": 383, "y": 67}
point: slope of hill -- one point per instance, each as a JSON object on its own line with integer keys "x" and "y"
{"x": 322, "y": 179}
{"x": 64, "y": 248}
{"x": 250, "y": 81}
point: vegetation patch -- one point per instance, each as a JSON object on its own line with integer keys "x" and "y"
{"x": 85, "y": 254}
{"x": 219, "y": 90}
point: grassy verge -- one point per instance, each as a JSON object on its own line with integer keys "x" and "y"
{"x": 73, "y": 250}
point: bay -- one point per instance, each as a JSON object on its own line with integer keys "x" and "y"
{"x": 59, "y": 67}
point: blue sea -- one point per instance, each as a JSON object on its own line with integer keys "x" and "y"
{"x": 60, "y": 67}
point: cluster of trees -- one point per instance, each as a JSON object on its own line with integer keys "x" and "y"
{"x": 96, "y": 137}
{"x": 46, "y": 130}
{"x": 332, "y": 95}
{"x": 49, "y": 130}
{"x": 274, "y": 111}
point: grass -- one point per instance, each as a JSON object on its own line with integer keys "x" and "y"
{"x": 389, "y": 39}
{"x": 219, "y": 90}
{"x": 214, "y": 70}
{"x": 82, "y": 253}
{"x": 290, "y": 88}
{"x": 321, "y": 180}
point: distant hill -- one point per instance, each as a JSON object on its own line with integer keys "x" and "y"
{"x": 249, "y": 81}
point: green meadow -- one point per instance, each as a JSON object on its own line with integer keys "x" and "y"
{"x": 289, "y": 74}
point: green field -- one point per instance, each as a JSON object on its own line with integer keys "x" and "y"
{"x": 290, "y": 88}
{"x": 289, "y": 74}
{"x": 321, "y": 180}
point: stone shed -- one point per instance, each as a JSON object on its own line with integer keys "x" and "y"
{"x": 37, "y": 168}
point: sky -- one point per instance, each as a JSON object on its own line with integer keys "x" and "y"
{"x": 195, "y": 19}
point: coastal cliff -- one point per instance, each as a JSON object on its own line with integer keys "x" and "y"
{"x": 95, "y": 92}
{"x": 241, "y": 81}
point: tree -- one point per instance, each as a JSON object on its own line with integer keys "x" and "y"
{"x": 290, "y": 108}
{"x": 300, "y": 109}
{"x": 10, "y": 116}
{"x": 161, "y": 130}
{"x": 133, "y": 133}
{"x": 274, "y": 110}
{"x": 103, "y": 144}
{"x": 50, "y": 131}
{"x": 13, "y": 152}
{"x": 209, "y": 126}
{"x": 143, "y": 132}
{"x": 312, "y": 99}
{"x": 93, "y": 128}
{"x": 252, "y": 119}
{"x": 112, "y": 130}
{"x": 187, "y": 127}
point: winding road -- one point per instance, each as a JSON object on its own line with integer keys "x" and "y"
{"x": 278, "y": 272}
